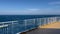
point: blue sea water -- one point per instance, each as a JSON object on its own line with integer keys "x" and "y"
{"x": 20, "y": 26}
{"x": 21, "y": 17}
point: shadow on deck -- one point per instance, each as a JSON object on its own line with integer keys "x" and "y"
{"x": 47, "y": 29}
{"x": 44, "y": 31}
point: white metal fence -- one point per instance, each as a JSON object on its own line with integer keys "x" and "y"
{"x": 15, "y": 27}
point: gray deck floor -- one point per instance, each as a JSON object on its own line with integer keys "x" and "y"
{"x": 44, "y": 31}
{"x": 53, "y": 28}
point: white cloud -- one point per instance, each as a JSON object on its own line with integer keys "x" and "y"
{"x": 57, "y": 6}
{"x": 32, "y": 11}
{"x": 54, "y": 3}
{"x": 42, "y": 11}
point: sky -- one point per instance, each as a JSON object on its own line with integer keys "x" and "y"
{"x": 29, "y": 7}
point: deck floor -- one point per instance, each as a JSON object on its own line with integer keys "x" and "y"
{"x": 47, "y": 29}
{"x": 53, "y": 25}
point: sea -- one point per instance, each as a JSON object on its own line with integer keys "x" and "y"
{"x": 20, "y": 26}
{"x": 4, "y": 18}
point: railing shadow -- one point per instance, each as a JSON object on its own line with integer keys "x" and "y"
{"x": 44, "y": 31}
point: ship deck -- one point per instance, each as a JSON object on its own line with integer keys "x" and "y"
{"x": 53, "y": 28}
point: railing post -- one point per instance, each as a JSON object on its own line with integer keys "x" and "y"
{"x": 55, "y": 19}
{"x": 3, "y": 28}
{"x": 37, "y": 22}
{"x": 34, "y": 23}
{"x": 25, "y": 23}
{"x": 40, "y": 21}
{"x": 52, "y": 19}
{"x": 48, "y": 21}
{"x": 12, "y": 28}
{"x": 44, "y": 21}
{"x": 59, "y": 19}
{"x": 7, "y": 30}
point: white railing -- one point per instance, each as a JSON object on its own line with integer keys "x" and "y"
{"x": 16, "y": 27}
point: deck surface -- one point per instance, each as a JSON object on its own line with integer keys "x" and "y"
{"x": 53, "y": 25}
{"x": 47, "y": 29}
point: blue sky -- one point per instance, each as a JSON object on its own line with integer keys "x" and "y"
{"x": 29, "y": 7}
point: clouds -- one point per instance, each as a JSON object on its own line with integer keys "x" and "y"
{"x": 31, "y": 7}
{"x": 55, "y": 3}
{"x": 33, "y": 11}
{"x": 36, "y": 11}
{"x": 41, "y": 11}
